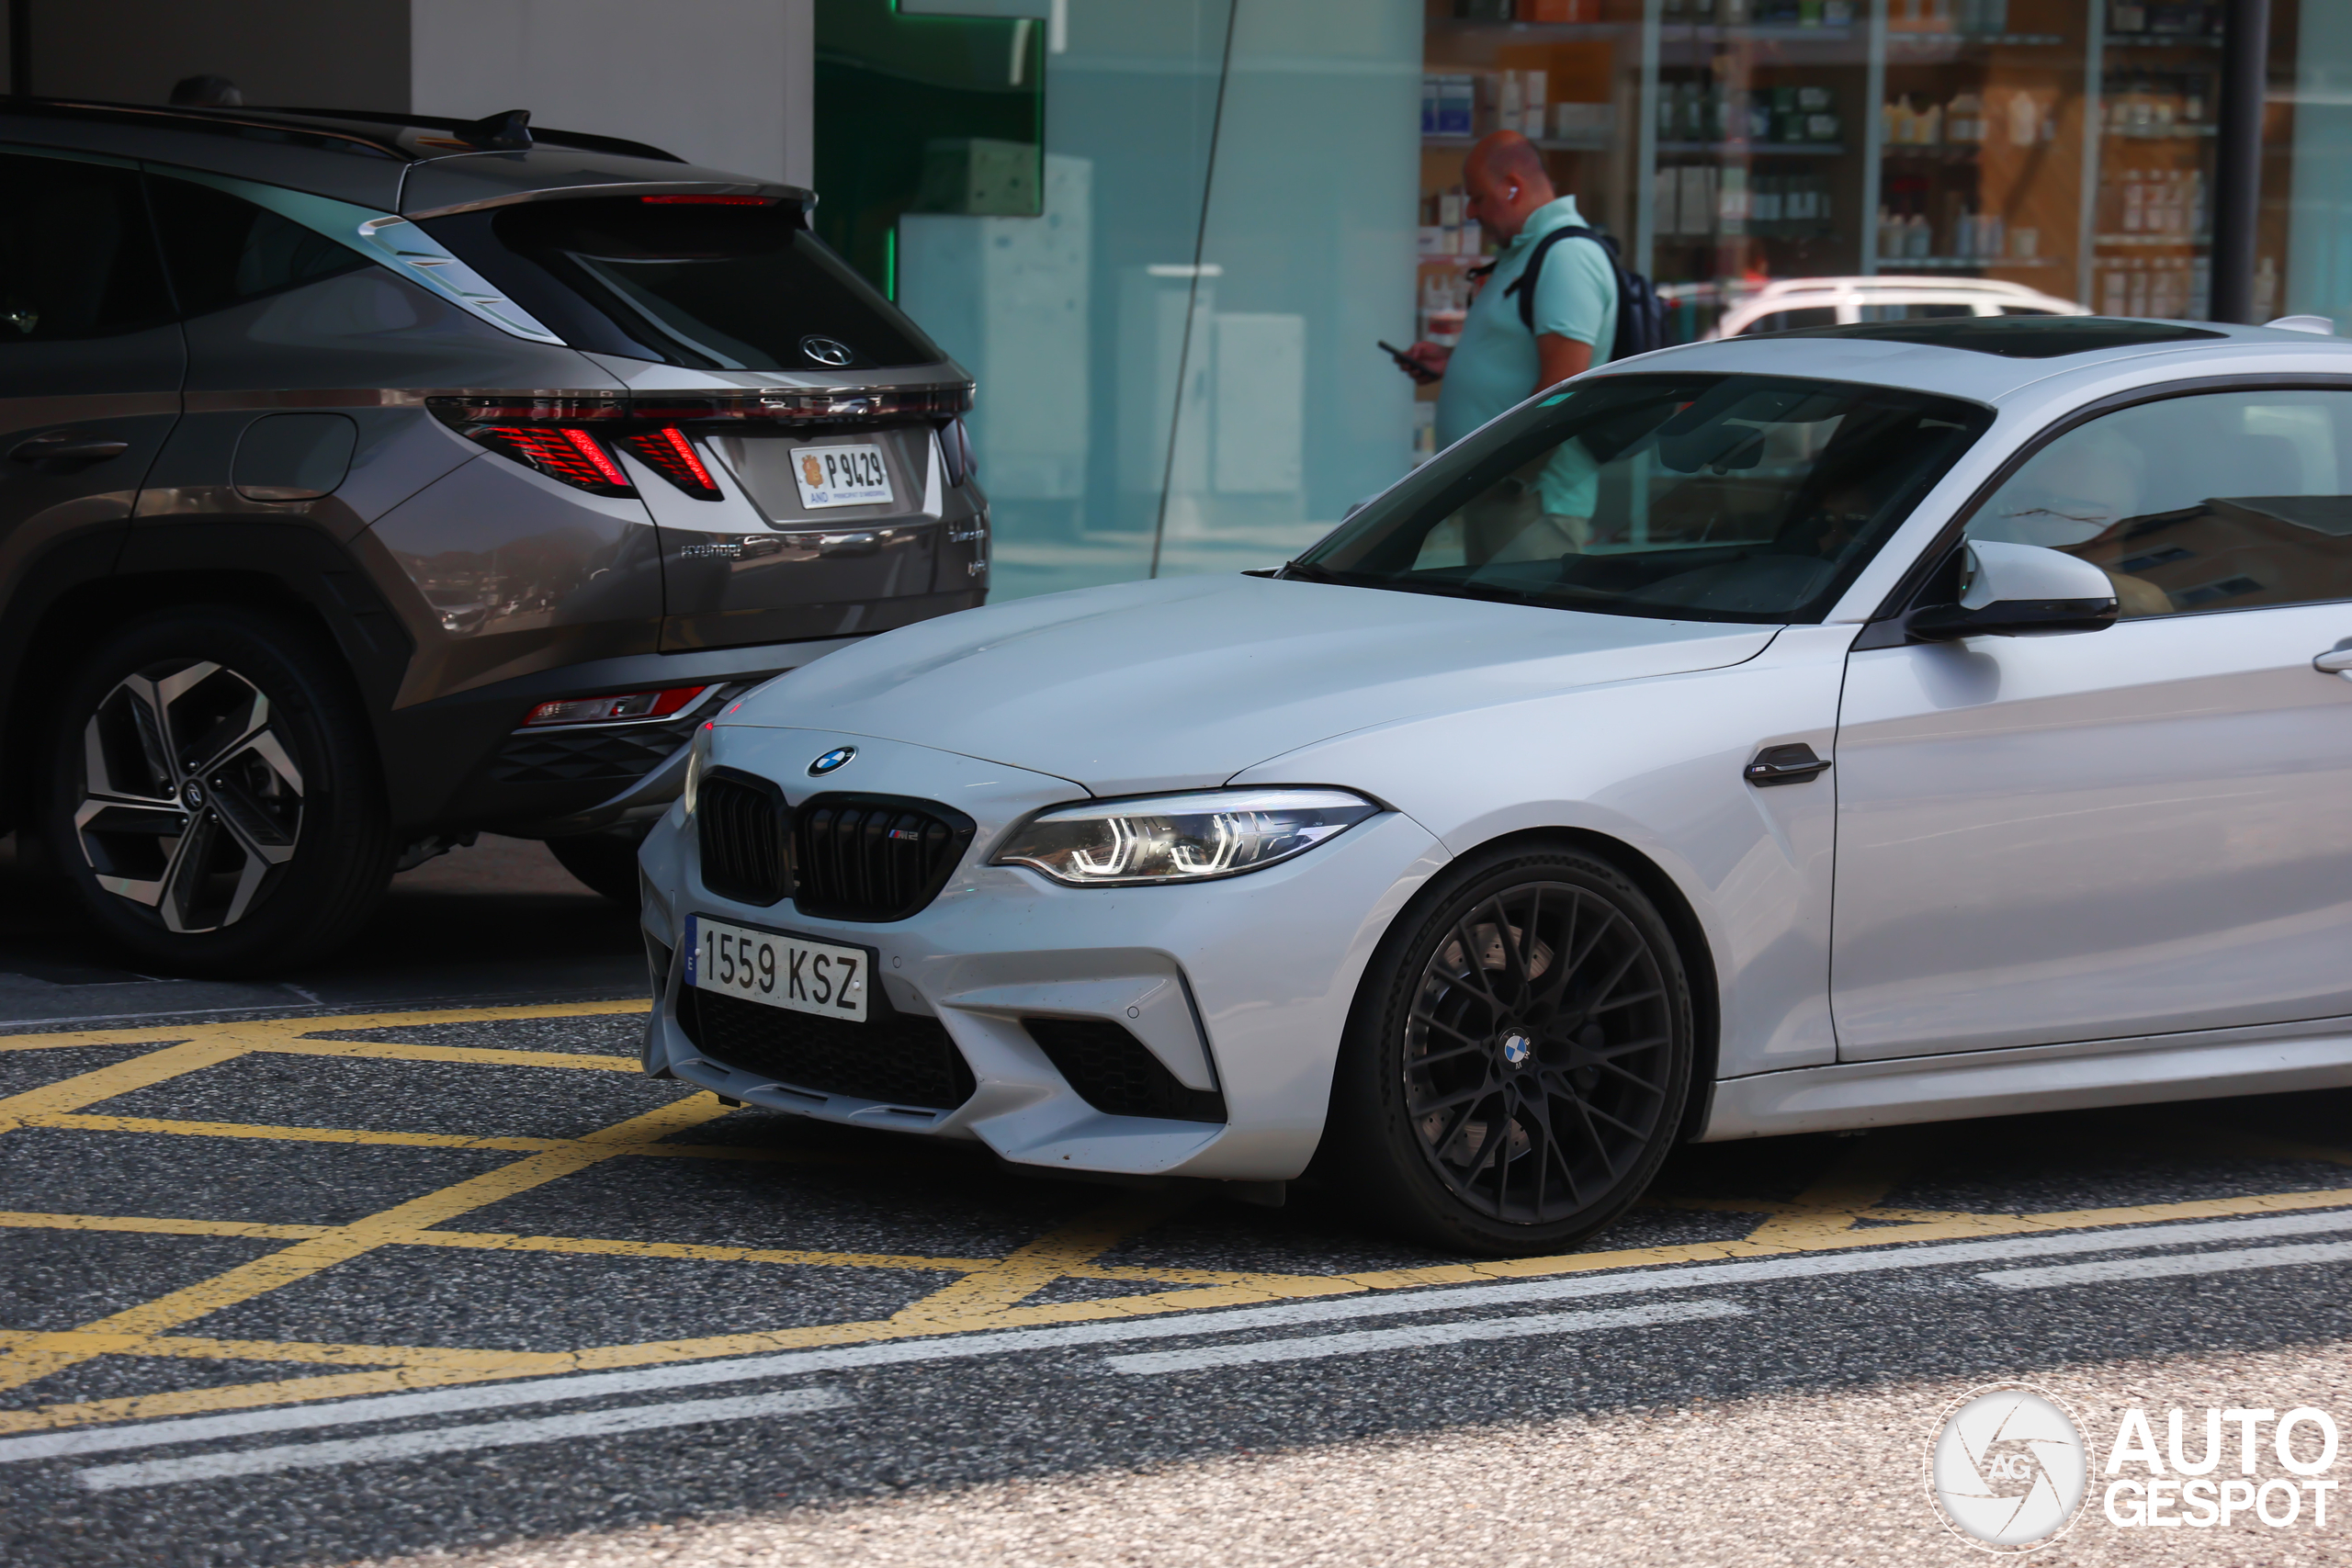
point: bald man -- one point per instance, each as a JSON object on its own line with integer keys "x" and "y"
{"x": 1500, "y": 362}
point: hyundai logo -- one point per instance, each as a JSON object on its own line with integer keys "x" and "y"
{"x": 827, "y": 351}
{"x": 831, "y": 761}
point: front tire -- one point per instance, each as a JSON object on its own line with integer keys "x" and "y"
{"x": 604, "y": 862}
{"x": 1519, "y": 1055}
{"x": 213, "y": 798}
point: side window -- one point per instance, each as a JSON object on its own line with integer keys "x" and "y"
{"x": 1917, "y": 311}
{"x": 1789, "y": 321}
{"x": 2221, "y": 500}
{"x": 224, "y": 250}
{"x": 76, "y": 257}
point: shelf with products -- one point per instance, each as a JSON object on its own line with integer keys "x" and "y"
{"x": 1592, "y": 141}
{"x": 1894, "y": 266}
{"x": 1909, "y": 42}
{"x": 1756, "y": 148}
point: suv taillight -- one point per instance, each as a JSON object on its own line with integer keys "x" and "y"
{"x": 670, "y": 452}
{"x": 555, "y": 435}
{"x": 560, "y": 452}
{"x": 616, "y": 709}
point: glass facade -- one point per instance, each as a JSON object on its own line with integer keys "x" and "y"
{"x": 1167, "y": 237}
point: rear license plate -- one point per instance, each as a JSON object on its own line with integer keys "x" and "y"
{"x": 841, "y": 476}
{"x": 780, "y": 971}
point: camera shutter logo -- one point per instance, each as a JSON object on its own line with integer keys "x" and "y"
{"x": 2006, "y": 1468}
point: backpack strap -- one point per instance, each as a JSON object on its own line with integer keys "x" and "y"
{"x": 1524, "y": 284}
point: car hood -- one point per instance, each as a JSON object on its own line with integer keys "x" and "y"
{"x": 1183, "y": 683}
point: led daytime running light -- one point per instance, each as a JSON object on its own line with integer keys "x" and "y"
{"x": 1182, "y": 837}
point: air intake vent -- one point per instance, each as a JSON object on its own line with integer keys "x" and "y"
{"x": 739, "y": 821}
{"x": 1116, "y": 1073}
{"x": 874, "y": 857}
{"x": 897, "y": 1059}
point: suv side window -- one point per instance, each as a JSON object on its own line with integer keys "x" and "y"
{"x": 224, "y": 250}
{"x": 2218, "y": 501}
{"x": 1789, "y": 321}
{"x": 77, "y": 259}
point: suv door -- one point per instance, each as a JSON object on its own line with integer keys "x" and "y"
{"x": 91, "y": 361}
{"x": 2146, "y": 830}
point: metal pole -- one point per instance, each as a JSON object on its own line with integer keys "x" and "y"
{"x": 2237, "y": 155}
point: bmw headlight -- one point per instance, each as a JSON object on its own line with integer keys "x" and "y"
{"x": 1179, "y": 837}
{"x": 698, "y": 759}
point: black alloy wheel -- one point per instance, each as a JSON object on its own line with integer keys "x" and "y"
{"x": 214, "y": 798}
{"x": 1519, "y": 1055}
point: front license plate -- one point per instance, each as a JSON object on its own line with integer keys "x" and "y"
{"x": 841, "y": 476}
{"x": 789, "y": 972}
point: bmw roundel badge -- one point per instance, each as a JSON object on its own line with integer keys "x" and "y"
{"x": 831, "y": 761}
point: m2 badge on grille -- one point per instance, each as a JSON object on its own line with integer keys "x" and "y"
{"x": 788, "y": 972}
{"x": 841, "y": 476}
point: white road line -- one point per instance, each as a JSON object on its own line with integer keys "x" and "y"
{"x": 1314, "y": 1347}
{"x": 1174, "y": 1325}
{"x": 2117, "y": 1269}
{"x": 455, "y": 1439}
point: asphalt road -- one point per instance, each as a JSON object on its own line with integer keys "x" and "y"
{"x": 372, "y": 1272}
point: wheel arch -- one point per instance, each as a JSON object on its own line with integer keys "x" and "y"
{"x": 1682, "y": 922}
{"x": 291, "y": 572}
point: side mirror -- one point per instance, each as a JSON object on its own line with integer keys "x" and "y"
{"x": 2020, "y": 591}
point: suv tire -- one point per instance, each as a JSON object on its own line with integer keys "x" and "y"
{"x": 1518, "y": 1057}
{"x": 213, "y": 793}
{"x": 604, "y": 862}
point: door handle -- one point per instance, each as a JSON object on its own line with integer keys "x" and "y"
{"x": 1784, "y": 765}
{"x": 64, "y": 448}
{"x": 2336, "y": 660}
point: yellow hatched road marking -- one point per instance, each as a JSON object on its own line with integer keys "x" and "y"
{"x": 989, "y": 1293}
{"x": 85, "y": 1122}
{"x": 38, "y": 1356}
{"x": 477, "y": 1056}
{"x": 314, "y": 1024}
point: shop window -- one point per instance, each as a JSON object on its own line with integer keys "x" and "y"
{"x": 923, "y": 114}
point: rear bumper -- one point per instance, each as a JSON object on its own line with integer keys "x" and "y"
{"x": 457, "y": 767}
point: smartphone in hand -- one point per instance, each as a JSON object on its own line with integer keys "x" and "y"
{"x": 1410, "y": 366}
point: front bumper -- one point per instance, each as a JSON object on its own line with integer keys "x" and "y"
{"x": 1241, "y": 986}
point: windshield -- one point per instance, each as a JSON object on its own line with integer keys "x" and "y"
{"x": 1715, "y": 498}
{"x": 714, "y": 287}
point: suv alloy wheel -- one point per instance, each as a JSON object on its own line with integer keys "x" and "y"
{"x": 214, "y": 797}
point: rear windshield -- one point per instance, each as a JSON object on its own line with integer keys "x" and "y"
{"x": 1712, "y": 498}
{"x": 718, "y": 288}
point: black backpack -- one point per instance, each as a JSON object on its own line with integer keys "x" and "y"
{"x": 1641, "y": 314}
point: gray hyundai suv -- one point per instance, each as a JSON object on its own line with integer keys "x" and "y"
{"x": 368, "y": 482}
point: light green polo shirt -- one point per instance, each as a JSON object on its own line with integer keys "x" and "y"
{"x": 1495, "y": 367}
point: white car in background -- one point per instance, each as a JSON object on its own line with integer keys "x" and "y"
{"x": 1795, "y": 302}
{"x": 1877, "y": 724}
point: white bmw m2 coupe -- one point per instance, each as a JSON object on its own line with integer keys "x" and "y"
{"x": 1868, "y": 725}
